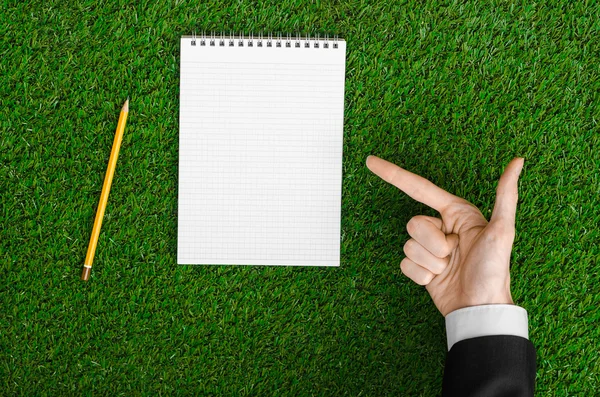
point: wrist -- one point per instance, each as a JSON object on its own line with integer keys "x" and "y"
{"x": 501, "y": 299}
{"x": 450, "y": 307}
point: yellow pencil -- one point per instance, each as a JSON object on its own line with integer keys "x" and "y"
{"x": 112, "y": 163}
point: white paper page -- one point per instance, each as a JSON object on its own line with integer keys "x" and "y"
{"x": 260, "y": 154}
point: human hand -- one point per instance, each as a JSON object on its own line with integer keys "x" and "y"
{"x": 461, "y": 259}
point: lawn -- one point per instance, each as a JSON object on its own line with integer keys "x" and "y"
{"x": 449, "y": 90}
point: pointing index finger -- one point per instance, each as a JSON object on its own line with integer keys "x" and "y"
{"x": 414, "y": 185}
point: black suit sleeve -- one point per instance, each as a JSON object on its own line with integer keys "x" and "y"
{"x": 490, "y": 366}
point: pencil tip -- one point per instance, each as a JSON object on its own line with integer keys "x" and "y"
{"x": 126, "y": 105}
{"x": 85, "y": 275}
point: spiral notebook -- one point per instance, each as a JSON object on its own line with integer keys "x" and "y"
{"x": 260, "y": 151}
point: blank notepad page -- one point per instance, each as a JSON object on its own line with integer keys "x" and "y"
{"x": 260, "y": 151}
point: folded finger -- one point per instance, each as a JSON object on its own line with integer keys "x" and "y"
{"x": 419, "y": 255}
{"x": 427, "y": 231}
{"x": 415, "y": 272}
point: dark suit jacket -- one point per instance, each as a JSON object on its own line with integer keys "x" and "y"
{"x": 490, "y": 366}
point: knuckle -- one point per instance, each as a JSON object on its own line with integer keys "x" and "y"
{"x": 409, "y": 247}
{"x": 404, "y": 266}
{"x": 425, "y": 279}
{"x": 418, "y": 277}
{"x": 438, "y": 267}
{"x": 414, "y": 224}
{"x": 442, "y": 251}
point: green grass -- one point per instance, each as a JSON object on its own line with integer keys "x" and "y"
{"x": 450, "y": 90}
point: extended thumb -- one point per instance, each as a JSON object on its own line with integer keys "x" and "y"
{"x": 507, "y": 193}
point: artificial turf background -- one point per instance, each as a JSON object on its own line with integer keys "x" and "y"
{"x": 449, "y": 90}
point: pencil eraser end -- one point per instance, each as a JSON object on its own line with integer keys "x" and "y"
{"x": 85, "y": 275}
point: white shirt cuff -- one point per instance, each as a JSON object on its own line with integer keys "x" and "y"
{"x": 486, "y": 320}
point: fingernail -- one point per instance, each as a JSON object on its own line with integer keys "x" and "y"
{"x": 520, "y": 166}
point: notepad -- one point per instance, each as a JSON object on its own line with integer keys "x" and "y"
{"x": 260, "y": 151}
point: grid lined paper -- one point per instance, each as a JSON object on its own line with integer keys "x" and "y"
{"x": 260, "y": 154}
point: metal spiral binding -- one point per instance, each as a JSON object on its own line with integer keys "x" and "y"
{"x": 279, "y": 41}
